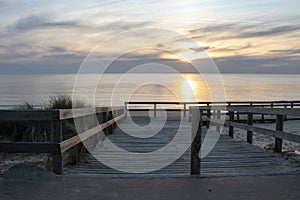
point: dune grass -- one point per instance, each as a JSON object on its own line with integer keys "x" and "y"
{"x": 39, "y": 131}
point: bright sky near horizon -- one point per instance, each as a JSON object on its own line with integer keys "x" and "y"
{"x": 43, "y": 36}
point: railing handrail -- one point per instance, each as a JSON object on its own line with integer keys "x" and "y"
{"x": 209, "y": 102}
{"x": 51, "y": 114}
{"x": 198, "y": 117}
{"x": 253, "y": 110}
{"x": 57, "y": 146}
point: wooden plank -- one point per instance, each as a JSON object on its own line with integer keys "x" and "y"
{"x": 254, "y": 110}
{"x": 196, "y": 143}
{"x": 279, "y": 127}
{"x": 231, "y": 128}
{"x": 218, "y": 117}
{"x": 57, "y": 158}
{"x": 209, "y": 116}
{"x": 29, "y": 147}
{"x": 81, "y": 112}
{"x": 273, "y": 133}
{"x": 69, "y": 143}
{"x": 216, "y": 102}
{"x": 28, "y": 115}
{"x": 74, "y": 113}
{"x": 250, "y": 123}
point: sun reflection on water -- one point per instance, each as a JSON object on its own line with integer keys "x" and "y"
{"x": 193, "y": 89}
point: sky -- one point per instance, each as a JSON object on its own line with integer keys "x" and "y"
{"x": 43, "y": 36}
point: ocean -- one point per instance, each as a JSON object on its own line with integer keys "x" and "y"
{"x": 114, "y": 89}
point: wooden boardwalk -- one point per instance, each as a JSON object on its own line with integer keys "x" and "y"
{"x": 229, "y": 157}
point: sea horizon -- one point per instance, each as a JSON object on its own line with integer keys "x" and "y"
{"x": 17, "y": 89}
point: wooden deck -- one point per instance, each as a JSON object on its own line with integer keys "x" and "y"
{"x": 229, "y": 157}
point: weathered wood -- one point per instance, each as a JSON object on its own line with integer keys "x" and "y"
{"x": 71, "y": 142}
{"x": 57, "y": 159}
{"x": 262, "y": 118}
{"x": 29, "y": 115}
{"x": 81, "y": 112}
{"x": 105, "y": 119}
{"x": 245, "y": 159}
{"x": 110, "y": 118}
{"x": 218, "y": 117}
{"x": 154, "y": 110}
{"x": 250, "y": 133}
{"x": 257, "y": 110}
{"x": 74, "y": 113}
{"x": 196, "y": 141}
{"x": 29, "y": 147}
{"x": 231, "y": 128}
{"x": 279, "y": 127}
{"x": 257, "y": 103}
{"x": 273, "y": 133}
{"x": 208, "y": 115}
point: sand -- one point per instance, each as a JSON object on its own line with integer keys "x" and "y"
{"x": 264, "y": 141}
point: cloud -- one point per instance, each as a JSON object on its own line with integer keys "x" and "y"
{"x": 269, "y": 32}
{"x": 4, "y": 5}
{"x": 286, "y": 51}
{"x": 40, "y": 21}
{"x": 160, "y": 45}
{"x": 200, "y": 49}
{"x": 240, "y": 31}
{"x": 122, "y": 25}
{"x": 57, "y": 49}
{"x": 258, "y": 64}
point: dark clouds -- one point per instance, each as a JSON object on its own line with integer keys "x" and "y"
{"x": 286, "y": 51}
{"x": 256, "y": 64}
{"x": 241, "y": 30}
{"x": 39, "y": 21}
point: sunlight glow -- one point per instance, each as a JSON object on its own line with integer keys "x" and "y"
{"x": 194, "y": 89}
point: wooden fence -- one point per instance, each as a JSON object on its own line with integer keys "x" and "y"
{"x": 184, "y": 106}
{"x": 202, "y": 114}
{"x": 107, "y": 117}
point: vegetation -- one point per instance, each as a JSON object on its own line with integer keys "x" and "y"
{"x": 64, "y": 102}
{"x": 39, "y": 131}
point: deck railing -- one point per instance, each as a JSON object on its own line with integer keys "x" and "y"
{"x": 201, "y": 114}
{"x": 106, "y": 116}
{"x": 184, "y": 106}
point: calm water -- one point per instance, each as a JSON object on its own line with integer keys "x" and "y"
{"x": 17, "y": 89}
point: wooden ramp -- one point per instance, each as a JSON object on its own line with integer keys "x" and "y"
{"x": 229, "y": 157}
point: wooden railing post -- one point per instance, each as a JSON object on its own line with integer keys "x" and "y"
{"x": 250, "y": 133}
{"x": 125, "y": 109}
{"x": 154, "y": 109}
{"x": 114, "y": 114}
{"x": 105, "y": 119}
{"x": 285, "y": 116}
{"x": 279, "y": 127}
{"x": 238, "y": 116}
{"x": 218, "y": 117}
{"x": 184, "y": 110}
{"x": 262, "y": 118}
{"x": 56, "y": 134}
{"x": 231, "y": 128}
{"x": 110, "y": 116}
{"x": 190, "y": 115}
{"x": 196, "y": 141}
{"x": 208, "y": 115}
